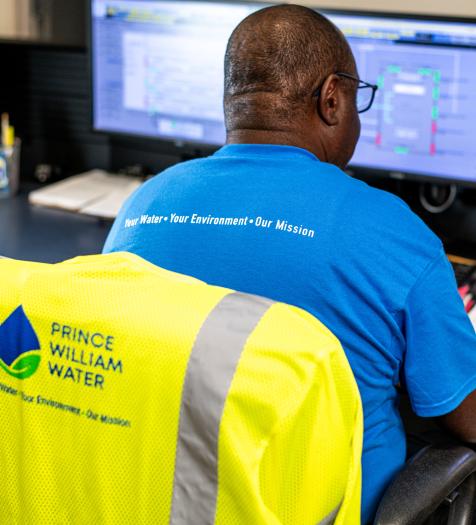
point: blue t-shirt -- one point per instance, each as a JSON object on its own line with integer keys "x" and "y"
{"x": 275, "y": 221}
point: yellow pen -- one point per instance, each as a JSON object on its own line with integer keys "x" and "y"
{"x": 10, "y": 138}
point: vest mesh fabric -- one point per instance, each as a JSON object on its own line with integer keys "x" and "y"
{"x": 89, "y": 435}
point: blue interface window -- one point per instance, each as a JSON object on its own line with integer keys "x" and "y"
{"x": 158, "y": 72}
{"x": 424, "y": 114}
{"x": 158, "y": 67}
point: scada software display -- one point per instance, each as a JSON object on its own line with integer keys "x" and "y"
{"x": 158, "y": 72}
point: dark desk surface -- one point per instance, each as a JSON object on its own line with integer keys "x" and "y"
{"x": 46, "y": 235}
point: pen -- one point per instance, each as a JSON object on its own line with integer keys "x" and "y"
{"x": 10, "y": 137}
{"x": 5, "y": 127}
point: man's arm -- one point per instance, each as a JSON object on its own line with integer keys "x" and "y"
{"x": 462, "y": 420}
{"x": 440, "y": 357}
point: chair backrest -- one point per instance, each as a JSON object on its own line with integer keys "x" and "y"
{"x": 130, "y": 394}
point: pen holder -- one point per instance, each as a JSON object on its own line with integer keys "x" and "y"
{"x": 10, "y": 169}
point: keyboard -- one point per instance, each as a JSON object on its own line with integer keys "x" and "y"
{"x": 465, "y": 273}
{"x": 465, "y": 270}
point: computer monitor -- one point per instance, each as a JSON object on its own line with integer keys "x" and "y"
{"x": 157, "y": 71}
{"x": 157, "y": 66}
{"x": 423, "y": 120}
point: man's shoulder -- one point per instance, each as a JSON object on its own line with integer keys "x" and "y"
{"x": 168, "y": 181}
{"x": 385, "y": 211}
{"x": 182, "y": 168}
{"x": 388, "y": 236}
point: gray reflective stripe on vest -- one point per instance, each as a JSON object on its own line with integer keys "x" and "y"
{"x": 330, "y": 518}
{"x": 210, "y": 370}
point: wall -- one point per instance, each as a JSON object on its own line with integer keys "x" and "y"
{"x": 454, "y": 8}
{"x": 7, "y": 18}
{"x": 49, "y": 21}
{"x": 442, "y": 7}
{"x": 15, "y": 19}
{"x": 48, "y": 100}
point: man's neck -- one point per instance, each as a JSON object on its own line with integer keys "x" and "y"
{"x": 283, "y": 138}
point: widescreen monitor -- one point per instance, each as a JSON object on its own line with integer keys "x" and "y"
{"x": 422, "y": 120}
{"x": 157, "y": 71}
{"x": 157, "y": 66}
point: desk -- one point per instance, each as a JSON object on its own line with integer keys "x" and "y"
{"x": 46, "y": 235}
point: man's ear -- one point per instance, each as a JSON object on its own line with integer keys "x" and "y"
{"x": 329, "y": 101}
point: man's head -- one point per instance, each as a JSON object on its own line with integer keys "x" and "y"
{"x": 275, "y": 61}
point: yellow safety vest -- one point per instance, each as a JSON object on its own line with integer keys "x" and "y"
{"x": 133, "y": 395}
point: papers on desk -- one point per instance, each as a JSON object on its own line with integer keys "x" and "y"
{"x": 96, "y": 193}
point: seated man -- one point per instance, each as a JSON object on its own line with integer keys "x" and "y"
{"x": 272, "y": 213}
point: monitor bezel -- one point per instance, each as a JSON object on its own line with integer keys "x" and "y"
{"x": 185, "y": 146}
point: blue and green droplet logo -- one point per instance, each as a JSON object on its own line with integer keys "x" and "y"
{"x": 19, "y": 346}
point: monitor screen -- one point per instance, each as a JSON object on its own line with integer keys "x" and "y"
{"x": 423, "y": 117}
{"x": 157, "y": 66}
{"x": 157, "y": 71}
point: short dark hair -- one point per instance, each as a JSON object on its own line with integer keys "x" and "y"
{"x": 274, "y": 59}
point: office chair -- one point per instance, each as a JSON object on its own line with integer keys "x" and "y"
{"x": 436, "y": 486}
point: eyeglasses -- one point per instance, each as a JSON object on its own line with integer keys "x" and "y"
{"x": 365, "y": 92}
